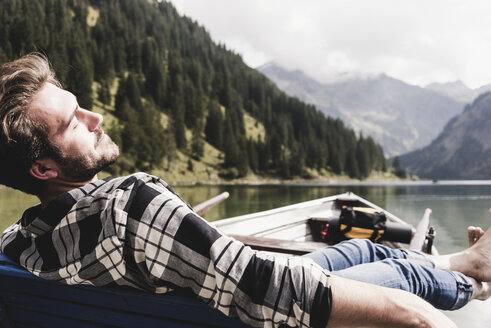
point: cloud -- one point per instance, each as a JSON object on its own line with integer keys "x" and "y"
{"x": 414, "y": 40}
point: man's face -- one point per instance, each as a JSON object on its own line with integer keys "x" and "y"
{"x": 76, "y": 132}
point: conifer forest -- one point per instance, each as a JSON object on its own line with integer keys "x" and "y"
{"x": 169, "y": 89}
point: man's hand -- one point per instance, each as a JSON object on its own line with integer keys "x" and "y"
{"x": 358, "y": 304}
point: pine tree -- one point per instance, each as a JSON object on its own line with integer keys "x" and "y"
{"x": 155, "y": 83}
{"x": 197, "y": 143}
{"x": 131, "y": 130}
{"x": 351, "y": 164}
{"x": 297, "y": 160}
{"x": 214, "y": 125}
{"x": 243, "y": 157}
{"x": 253, "y": 155}
{"x": 171, "y": 147}
{"x": 363, "y": 158}
{"x": 103, "y": 93}
{"x": 193, "y": 103}
{"x": 165, "y": 63}
{"x": 399, "y": 170}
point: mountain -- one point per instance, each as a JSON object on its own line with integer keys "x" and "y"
{"x": 401, "y": 117}
{"x": 461, "y": 151}
{"x": 297, "y": 84}
{"x": 173, "y": 98}
{"x": 457, "y": 90}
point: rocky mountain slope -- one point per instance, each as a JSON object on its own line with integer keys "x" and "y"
{"x": 401, "y": 117}
{"x": 458, "y": 91}
{"x": 462, "y": 150}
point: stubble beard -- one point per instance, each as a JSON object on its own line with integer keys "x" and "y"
{"x": 83, "y": 168}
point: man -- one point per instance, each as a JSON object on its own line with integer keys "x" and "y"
{"x": 134, "y": 231}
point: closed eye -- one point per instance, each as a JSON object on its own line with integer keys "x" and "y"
{"x": 75, "y": 123}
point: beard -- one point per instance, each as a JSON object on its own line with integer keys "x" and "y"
{"x": 79, "y": 168}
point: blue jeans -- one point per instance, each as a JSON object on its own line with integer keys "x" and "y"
{"x": 412, "y": 271}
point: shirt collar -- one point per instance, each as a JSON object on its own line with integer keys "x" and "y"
{"x": 40, "y": 220}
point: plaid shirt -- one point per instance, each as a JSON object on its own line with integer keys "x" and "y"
{"x": 135, "y": 231}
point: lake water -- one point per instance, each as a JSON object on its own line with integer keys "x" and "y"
{"x": 455, "y": 205}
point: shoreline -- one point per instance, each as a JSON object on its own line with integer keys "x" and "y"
{"x": 255, "y": 180}
{"x": 377, "y": 179}
{"x": 327, "y": 182}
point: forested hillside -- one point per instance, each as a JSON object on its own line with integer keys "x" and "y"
{"x": 399, "y": 116}
{"x": 462, "y": 150}
{"x": 168, "y": 89}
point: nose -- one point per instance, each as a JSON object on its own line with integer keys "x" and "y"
{"x": 92, "y": 120}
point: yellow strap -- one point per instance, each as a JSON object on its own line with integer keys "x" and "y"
{"x": 359, "y": 233}
{"x": 368, "y": 210}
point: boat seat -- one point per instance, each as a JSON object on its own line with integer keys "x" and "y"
{"x": 28, "y": 301}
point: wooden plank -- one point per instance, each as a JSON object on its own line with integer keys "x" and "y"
{"x": 280, "y": 245}
{"x": 289, "y": 231}
{"x": 419, "y": 237}
{"x": 204, "y": 207}
{"x": 300, "y": 232}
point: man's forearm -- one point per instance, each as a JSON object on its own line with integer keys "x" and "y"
{"x": 358, "y": 304}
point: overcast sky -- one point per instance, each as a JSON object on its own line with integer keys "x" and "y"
{"x": 417, "y": 41}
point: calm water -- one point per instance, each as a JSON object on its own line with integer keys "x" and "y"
{"x": 455, "y": 205}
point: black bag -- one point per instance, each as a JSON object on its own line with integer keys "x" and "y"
{"x": 362, "y": 222}
{"x": 359, "y": 222}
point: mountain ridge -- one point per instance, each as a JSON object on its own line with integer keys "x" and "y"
{"x": 400, "y": 116}
{"x": 458, "y": 90}
{"x": 461, "y": 151}
{"x": 141, "y": 61}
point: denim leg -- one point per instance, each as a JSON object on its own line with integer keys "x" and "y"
{"x": 358, "y": 251}
{"x": 446, "y": 290}
{"x": 411, "y": 271}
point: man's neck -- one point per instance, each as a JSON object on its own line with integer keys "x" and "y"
{"x": 59, "y": 186}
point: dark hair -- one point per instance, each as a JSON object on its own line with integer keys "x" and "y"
{"x": 22, "y": 140}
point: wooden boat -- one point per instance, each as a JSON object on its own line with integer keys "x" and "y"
{"x": 292, "y": 229}
{"x": 27, "y": 301}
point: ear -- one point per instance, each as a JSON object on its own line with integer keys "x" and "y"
{"x": 44, "y": 169}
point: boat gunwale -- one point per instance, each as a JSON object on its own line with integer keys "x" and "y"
{"x": 250, "y": 216}
{"x": 349, "y": 196}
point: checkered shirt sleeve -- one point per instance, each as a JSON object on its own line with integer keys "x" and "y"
{"x": 135, "y": 231}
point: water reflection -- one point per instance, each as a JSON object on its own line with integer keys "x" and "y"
{"x": 12, "y": 205}
{"x": 454, "y": 206}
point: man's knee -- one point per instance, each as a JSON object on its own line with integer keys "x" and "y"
{"x": 361, "y": 245}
